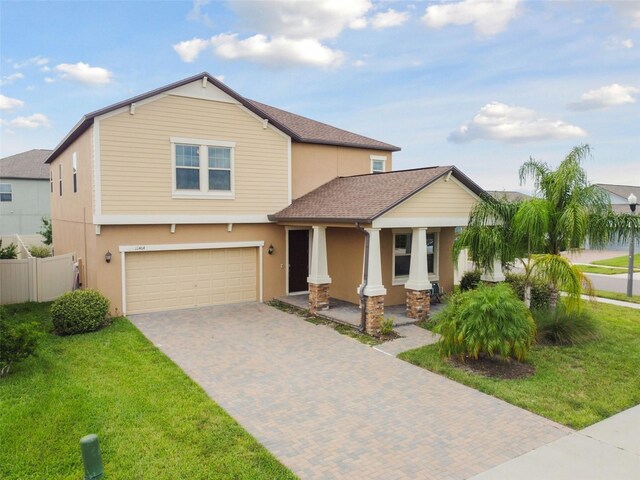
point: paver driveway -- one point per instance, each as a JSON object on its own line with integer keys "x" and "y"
{"x": 330, "y": 407}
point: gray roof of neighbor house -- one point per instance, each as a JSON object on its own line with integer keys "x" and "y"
{"x": 363, "y": 198}
{"x": 509, "y": 195}
{"x": 620, "y": 190}
{"x": 27, "y": 165}
{"x": 299, "y": 128}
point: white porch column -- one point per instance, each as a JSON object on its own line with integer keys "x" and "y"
{"x": 319, "y": 271}
{"x": 496, "y": 275}
{"x": 418, "y": 274}
{"x": 374, "y": 285}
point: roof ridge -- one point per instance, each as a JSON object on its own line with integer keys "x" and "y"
{"x": 397, "y": 171}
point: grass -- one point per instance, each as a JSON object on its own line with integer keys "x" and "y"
{"x": 603, "y": 270}
{"x": 618, "y": 296}
{"x": 152, "y": 420}
{"x": 576, "y": 386}
{"x": 338, "y": 327}
{"x": 622, "y": 261}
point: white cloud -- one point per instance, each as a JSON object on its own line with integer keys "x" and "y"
{"x": 32, "y": 121}
{"x": 196, "y": 15}
{"x": 49, "y": 80}
{"x": 359, "y": 63}
{"x": 607, "y": 96}
{"x": 390, "y": 18}
{"x": 488, "y": 17}
{"x": 46, "y": 68}
{"x": 7, "y": 79}
{"x": 190, "y": 49}
{"x": 507, "y": 123}
{"x": 628, "y": 9}
{"x": 628, "y": 43}
{"x": 278, "y": 51}
{"x": 39, "y": 61}
{"x": 358, "y": 24}
{"x": 85, "y": 73}
{"x": 8, "y": 103}
{"x": 302, "y": 19}
{"x": 219, "y": 78}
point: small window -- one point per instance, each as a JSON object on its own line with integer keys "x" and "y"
{"x": 220, "y": 168}
{"x": 51, "y": 180}
{"x": 378, "y": 163}
{"x": 187, "y": 167}
{"x": 432, "y": 252}
{"x": 60, "y": 178}
{"x": 402, "y": 256}
{"x": 75, "y": 172}
{"x": 6, "y": 192}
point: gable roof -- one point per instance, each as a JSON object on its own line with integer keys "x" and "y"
{"x": 300, "y": 129}
{"x": 508, "y": 195}
{"x": 28, "y": 165}
{"x": 363, "y": 198}
{"x": 620, "y": 190}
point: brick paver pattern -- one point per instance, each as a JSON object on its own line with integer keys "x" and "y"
{"x": 330, "y": 407}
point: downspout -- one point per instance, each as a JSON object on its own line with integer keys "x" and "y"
{"x": 365, "y": 279}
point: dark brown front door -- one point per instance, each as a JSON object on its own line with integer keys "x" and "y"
{"x": 298, "y": 260}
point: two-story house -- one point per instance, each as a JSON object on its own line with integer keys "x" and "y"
{"x": 192, "y": 195}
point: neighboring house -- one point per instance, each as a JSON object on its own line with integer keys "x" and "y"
{"x": 508, "y": 195}
{"x": 24, "y": 192}
{"x": 193, "y": 195}
{"x": 619, "y": 197}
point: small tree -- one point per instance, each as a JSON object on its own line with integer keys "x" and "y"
{"x": 9, "y": 252}
{"x": 17, "y": 341}
{"x": 46, "y": 231}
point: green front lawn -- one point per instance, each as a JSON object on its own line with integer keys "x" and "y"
{"x": 576, "y": 386}
{"x": 618, "y": 296}
{"x": 152, "y": 420}
{"x": 622, "y": 261}
{"x": 603, "y": 270}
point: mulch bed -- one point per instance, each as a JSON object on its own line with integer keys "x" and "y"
{"x": 494, "y": 367}
{"x": 389, "y": 336}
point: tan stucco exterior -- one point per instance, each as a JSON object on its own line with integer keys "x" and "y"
{"x": 314, "y": 165}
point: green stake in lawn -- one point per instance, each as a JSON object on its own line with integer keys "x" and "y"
{"x": 91, "y": 457}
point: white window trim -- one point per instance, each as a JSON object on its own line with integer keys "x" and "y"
{"x": 433, "y": 277}
{"x": 11, "y": 192}
{"x": 204, "y": 192}
{"x": 382, "y": 158}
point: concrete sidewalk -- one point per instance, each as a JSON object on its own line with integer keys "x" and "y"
{"x": 607, "y": 450}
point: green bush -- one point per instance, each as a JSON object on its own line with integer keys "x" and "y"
{"x": 565, "y": 327}
{"x": 489, "y": 320}
{"x": 9, "y": 252}
{"x": 470, "y": 280}
{"x": 79, "y": 311}
{"x": 39, "y": 251}
{"x": 46, "y": 230}
{"x": 540, "y": 290}
{"x": 17, "y": 341}
{"x": 386, "y": 326}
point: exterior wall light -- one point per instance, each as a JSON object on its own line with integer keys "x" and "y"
{"x": 107, "y": 256}
{"x": 270, "y": 249}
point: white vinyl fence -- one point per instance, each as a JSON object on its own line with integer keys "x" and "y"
{"x": 36, "y": 279}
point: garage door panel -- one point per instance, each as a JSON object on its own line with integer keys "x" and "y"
{"x": 168, "y": 280}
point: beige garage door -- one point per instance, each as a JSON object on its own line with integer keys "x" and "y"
{"x": 171, "y": 280}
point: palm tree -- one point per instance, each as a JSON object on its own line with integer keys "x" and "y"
{"x": 563, "y": 213}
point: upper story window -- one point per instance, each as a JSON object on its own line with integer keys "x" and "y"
{"x": 378, "y": 163}
{"x": 75, "y": 172}
{"x": 202, "y": 168}
{"x": 60, "y": 177}
{"x": 402, "y": 256}
{"x": 6, "y": 192}
{"x": 51, "y": 180}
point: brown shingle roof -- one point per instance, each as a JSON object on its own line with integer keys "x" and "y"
{"x": 509, "y": 195}
{"x": 621, "y": 190}
{"x": 28, "y": 165}
{"x": 300, "y": 129}
{"x": 305, "y": 130}
{"x": 363, "y": 198}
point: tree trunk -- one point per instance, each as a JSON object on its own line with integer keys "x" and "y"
{"x": 553, "y": 297}
{"x": 527, "y": 294}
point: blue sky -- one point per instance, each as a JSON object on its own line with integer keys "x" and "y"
{"x": 479, "y": 84}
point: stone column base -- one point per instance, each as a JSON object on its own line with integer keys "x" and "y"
{"x": 375, "y": 313}
{"x": 418, "y": 304}
{"x": 318, "y": 297}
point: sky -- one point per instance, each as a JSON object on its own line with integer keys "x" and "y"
{"x": 480, "y": 84}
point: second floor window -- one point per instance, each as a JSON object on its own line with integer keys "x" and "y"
{"x": 378, "y": 163}
{"x": 6, "y": 192}
{"x": 203, "y": 168}
{"x": 75, "y": 172}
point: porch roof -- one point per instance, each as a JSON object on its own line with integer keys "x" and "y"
{"x": 363, "y": 198}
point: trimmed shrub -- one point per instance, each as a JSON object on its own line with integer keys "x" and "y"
{"x": 565, "y": 327}
{"x": 39, "y": 251}
{"x": 540, "y": 290}
{"x": 489, "y": 320}
{"x": 17, "y": 341}
{"x": 9, "y": 252}
{"x": 470, "y": 280}
{"x": 79, "y": 311}
{"x": 386, "y": 326}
